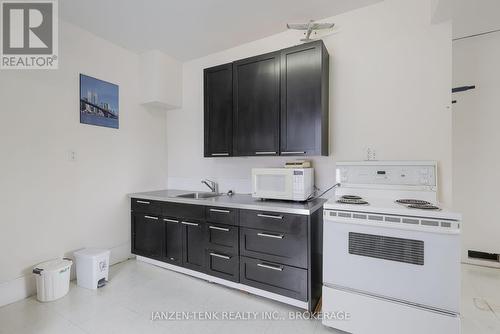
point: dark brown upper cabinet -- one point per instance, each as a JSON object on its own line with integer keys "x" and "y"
{"x": 256, "y": 92}
{"x": 271, "y": 104}
{"x": 218, "y": 113}
{"x": 304, "y": 100}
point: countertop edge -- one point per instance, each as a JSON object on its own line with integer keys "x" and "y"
{"x": 204, "y": 202}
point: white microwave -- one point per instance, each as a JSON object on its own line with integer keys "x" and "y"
{"x": 294, "y": 184}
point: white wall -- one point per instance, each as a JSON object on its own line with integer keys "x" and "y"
{"x": 50, "y": 206}
{"x": 161, "y": 80}
{"x": 476, "y": 162}
{"x": 390, "y": 90}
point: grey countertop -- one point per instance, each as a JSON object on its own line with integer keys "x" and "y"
{"x": 239, "y": 201}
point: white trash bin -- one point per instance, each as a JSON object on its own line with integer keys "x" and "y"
{"x": 52, "y": 279}
{"x": 92, "y": 267}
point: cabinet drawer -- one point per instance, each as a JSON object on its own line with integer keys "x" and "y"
{"x": 146, "y": 206}
{"x": 273, "y": 277}
{"x": 183, "y": 210}
{"x": 222, "y": 215}
{"x": 273, "y": 221}
{"x": 281, "y": 247}
{"x": 222, "y": 264}
{"x": 222, "y": 237}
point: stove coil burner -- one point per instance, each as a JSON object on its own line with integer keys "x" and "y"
{"x": 412, "y": 202}
{"x": 424, "y": 206}
{"x": 352, "y": 201}
{"x": 351, "y": 197}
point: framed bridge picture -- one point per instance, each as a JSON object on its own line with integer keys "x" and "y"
{"x": 98, "y": 102}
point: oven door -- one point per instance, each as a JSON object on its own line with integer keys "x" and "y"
{"x": 274, "y": 183}
{"x": 416, "y": 266}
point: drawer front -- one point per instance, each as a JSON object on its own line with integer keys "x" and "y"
{"x": 273, "y": 221}
{"x": 222, "y": 215}
{"x": 281, "y": 247}
{"x": 273, "y": 277}
{"x": 222, "y": 237}
{"x": 222, "y": 264}
{"x": 146, "y": 206}
{"x": 186, "y": 211}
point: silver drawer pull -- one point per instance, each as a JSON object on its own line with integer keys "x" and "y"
{"x": 170, "y": 220}
{"x": 189, "y": 223}
{"x": 258, "y": 153}
{"x": 267, "y": 266}
{"x": 143, "y": 202}
{"x": 225, "y": 257}
{"x": 220, "y": 154}
{"x": 267, "y": 235}
{"x": 218, "y": 228}
{"x": 151, "y": 217}
{"x": 219, "y": 210}
{"x": 269, "y": 216}
{"x": 291, "y": 152}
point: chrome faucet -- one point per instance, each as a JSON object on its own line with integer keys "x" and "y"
{"x": 214, "y": 187}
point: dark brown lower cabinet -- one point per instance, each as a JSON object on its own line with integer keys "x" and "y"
{"x": 281, "y": 247}
{"x": 193, "y": 245}
{"x": 222, "y": 237}
{"x": 274, "y": 277}
{"x": 147, "y": 232}
{"x": 222, "y": 265}
{"x": 272, "y": 251}
{"x": 173, "y": 241}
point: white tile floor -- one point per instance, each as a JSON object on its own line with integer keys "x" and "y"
{"x": 136, "y": 289}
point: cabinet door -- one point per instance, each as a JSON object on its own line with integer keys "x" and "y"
{"x": 256, "y": 105}
{"x": 173, "y": 241}
{"x": 218, "y": 110}
{"x": 304, "y": 100}
{"x": 193, "y": 245}
{"x": 147, "y": 235}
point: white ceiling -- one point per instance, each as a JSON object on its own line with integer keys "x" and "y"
{"x": 475, "y": 16}
{"x": 190, "y": 29}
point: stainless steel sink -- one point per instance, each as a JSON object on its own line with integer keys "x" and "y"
{"x": 198, "y": 195}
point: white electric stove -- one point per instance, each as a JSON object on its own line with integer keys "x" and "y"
{"x": 391, "y": 252}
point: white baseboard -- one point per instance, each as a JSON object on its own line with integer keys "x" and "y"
{"x": 24, "y": 286}
{"x": 234, "y": 285}
{"x": 17, "y": 289}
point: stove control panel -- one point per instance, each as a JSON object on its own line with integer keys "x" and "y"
{"x": 387, "y": 173}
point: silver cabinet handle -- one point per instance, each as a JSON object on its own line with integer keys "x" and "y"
{"x": 269, "y": 216}
{"x": 220, "y": 154}
{"x": 151, "y": 217}
{"x": 218, "y": 228}
{"x": 267, "y": 235}
{"x": 219, "y": 210}
{"x": 225, "y": 257}
{"x": 143, "y": 202}
{"x": 170, "y": 220}
{"x": 267, "y": 266}
{"x": 292, "y": 152}
{"x": 259, "y": 153}
{"x": 189, "y": 223}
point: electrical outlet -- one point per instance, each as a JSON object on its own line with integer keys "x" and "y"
{"x": 72, "y": 156}
{"x": 371, "y": 154}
